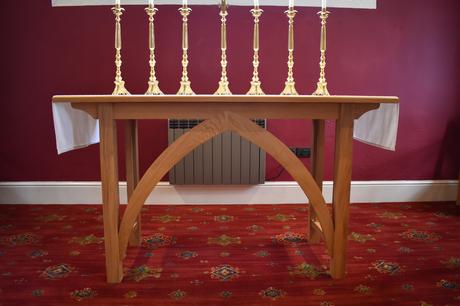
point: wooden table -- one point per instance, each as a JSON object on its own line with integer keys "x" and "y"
{"x": 224, "y": 113}
{"x": 458, "y": 191}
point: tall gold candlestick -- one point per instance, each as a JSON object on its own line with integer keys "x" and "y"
{"x": 256, "y": 89}
{"x": 153, "y": 88}
{"x": 321, "y": 89}
{"x": 119, "y": 83}
{"x": 289, "y": 88}
{"x": 185, "y": 88}
{"x": 223, "y": 83}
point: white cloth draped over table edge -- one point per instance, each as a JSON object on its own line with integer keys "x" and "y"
{"x": 76, "y": 129}
{"x": 379, "y": 127}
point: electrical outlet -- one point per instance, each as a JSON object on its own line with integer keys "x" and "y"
{"x": 301, "y": 152}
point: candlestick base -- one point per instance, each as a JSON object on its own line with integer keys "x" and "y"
{"x": 223, "y": 89}
{"x": 154, "y": 89}
{"x": 185, "y": 89}
{"x": 321, "y": 89}
{"x": 256, "y": 89}
{"x": 289, "y": 89}
{"x": 120, "y": 89}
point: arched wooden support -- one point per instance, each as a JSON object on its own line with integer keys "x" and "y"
{"x": 171, "y": 156}
{"x": 282, "y": 154}
{"x": 202, "y": 133}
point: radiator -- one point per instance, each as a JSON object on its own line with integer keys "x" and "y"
{"x": 225, "y": 159}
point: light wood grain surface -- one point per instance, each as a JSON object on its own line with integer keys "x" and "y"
{"x": 317, "y": 169}
{"x": 224, "y": 114}
{"x": 458, "y": 194}
{"x": 341, "y": 189}
{"x": 207, "y": 106}
{"x": 217, "y": 98}
{"x": 110, "y": 192}
{"x": 132, "y": 173}
{"x": 202, "y": 133}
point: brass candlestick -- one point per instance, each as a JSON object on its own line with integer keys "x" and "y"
{"x": 223, "y": 83}
{"x": 119, "y": 83}
{"x": 321, "y": 89}
{"x": 289, "y": 89}
{"x": 153, "y": 89}
{"x": 185, "y": 88}
{"x": 256, "y": 89}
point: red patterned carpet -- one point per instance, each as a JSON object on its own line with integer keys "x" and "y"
{"x": 399, "y": 254}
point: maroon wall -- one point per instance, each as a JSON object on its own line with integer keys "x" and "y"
{"x": 407, "y": 48}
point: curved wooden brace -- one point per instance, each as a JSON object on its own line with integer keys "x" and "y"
{"x": 167, "y": 159}
{"x": 282, "y": 154}
{"x": 202, "y": 133}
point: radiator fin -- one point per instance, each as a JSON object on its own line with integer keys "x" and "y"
{"x": 225, "y": 159}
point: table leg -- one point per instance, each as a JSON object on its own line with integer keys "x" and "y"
{"x": 318, "y": 174}
{"x": 342, "y": 185}
{"x": 110, "y": 195}
{"x": 132, "y": 172}
{"x": 458, "y": 194}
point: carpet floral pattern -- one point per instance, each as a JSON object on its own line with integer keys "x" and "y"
{"x": 398, "y": 254}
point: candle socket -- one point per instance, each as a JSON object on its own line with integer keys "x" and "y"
{"x": 223, "y": 83}
{"x": 256, "y": 88}
{"x": 153, "y": 88}
{"x": 185, "y": 85}
{"x": 321, "y": 89}
{"x": 120, "y": 88}
{"x": 289, "y": 88}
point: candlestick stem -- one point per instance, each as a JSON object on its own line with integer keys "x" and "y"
{"x": 223, "y": 83}
{"x": 321, "y": 89}
{"x": 153, "y": 88}
{"x": 185, "y": 88}
{"x": 256, "y": 88}
{"x": 119, "y": 83}
{"x": 289, "y": 88}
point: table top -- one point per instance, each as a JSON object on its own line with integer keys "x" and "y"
{"x": 224, "y": 99}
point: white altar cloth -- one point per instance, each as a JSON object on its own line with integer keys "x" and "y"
{"x": 74, "y": 128}
{"x": 379, "y": 127}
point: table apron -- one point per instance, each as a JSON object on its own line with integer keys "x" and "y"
{"x": 133, "y": 110}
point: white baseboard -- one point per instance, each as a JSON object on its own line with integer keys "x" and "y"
{"x": 268, "y": 193}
